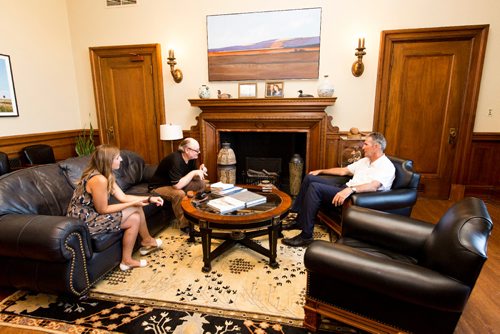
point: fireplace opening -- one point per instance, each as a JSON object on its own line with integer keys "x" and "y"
{"x": 278, "y": 146}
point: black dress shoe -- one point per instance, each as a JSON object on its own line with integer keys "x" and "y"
{"x": 297, "y": 241}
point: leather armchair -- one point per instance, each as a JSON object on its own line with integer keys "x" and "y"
{"x": 38, "y": 154}
{"x": 399, "y": 200}
{"x": 4, "y": 163}
{"x": 393, "y": 274}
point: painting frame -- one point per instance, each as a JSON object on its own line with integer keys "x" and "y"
{"x": 8, "y": 101}
{"x": 247, "y": 90}
{"x": 266, "y": 45}
{"x": 275, "y": 89}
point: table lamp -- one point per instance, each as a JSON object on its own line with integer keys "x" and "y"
{"x": 170, "y": 132}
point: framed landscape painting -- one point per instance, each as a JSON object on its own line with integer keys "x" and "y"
{"x": 273, "y": 45}
{"x": 8, "y": 104}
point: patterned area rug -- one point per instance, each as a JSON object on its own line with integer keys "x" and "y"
{"x": 240, "y": 280}
{"x": 241, "y": 294}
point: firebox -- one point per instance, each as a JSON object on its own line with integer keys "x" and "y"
{"x": 265, "y": 155}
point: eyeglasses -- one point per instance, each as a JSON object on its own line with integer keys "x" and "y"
{"x": 197, "y": 151}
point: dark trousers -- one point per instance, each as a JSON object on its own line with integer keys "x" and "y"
{"x": 315, "y": 192}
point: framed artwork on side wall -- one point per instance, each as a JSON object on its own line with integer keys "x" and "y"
{"x": 8, "y": 103}
{"x": 272, "y": 45}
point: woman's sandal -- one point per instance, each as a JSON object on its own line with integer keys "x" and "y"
{"x": 150, "y": 249}
{"x": 125, "y": 267}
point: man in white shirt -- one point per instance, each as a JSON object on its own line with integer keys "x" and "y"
{"x": 374, "y": 172}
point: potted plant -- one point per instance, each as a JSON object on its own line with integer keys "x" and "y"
{"x": 85, "y": 144}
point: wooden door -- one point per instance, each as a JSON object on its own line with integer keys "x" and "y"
{"x": 427, "y": 89}
{"x": 129, "y": 97}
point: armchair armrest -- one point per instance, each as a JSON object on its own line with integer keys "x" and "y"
{"x": 394, "y": 232}
{"x": 386, "y": 200}
{"x": 399, "y": 280}
{"x": 40, "y": 237}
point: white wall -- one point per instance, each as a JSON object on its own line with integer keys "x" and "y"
{"x": 35, "y": 34}
{"x": 46, "y": 85}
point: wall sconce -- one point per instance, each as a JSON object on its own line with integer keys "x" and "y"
{"x": 171, "y": 132}
{"x": 358, "y": 67}
{"x": 176, "y": 73}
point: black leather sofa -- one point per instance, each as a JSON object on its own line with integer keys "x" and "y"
{"x": 394, "y": 274}
{"x": 43, "y": 250}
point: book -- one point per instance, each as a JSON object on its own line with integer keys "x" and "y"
{"x": 218, "y": 186}
{"x": 222, "y": 189}
{"x": 226, "y": 204}
{"x": 249, "y": 198}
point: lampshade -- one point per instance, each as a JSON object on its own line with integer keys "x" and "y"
{"x": 170, "y": 132}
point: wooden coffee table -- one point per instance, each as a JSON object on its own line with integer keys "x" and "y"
{"x": 238, "y": 227}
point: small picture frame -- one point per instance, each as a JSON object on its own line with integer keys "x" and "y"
{"x": 8, "y": 103}
{"x": 247, "y": 90}
{"x": 274, "y": 89}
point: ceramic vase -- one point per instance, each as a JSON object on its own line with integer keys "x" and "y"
{"x": 204, "y": 92}
{"x": 226, "y": 164}
{"x": 325, "y": 87}
{"x": 296, "y": 167}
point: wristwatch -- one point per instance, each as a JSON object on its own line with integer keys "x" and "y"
{"x": 353, "y": 190}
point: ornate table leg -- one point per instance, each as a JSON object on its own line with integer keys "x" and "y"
{"x": 274, "y": 231}
{"x": 206, "y": 240}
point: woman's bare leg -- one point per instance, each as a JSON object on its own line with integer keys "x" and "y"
{"x": 130, "y": 225}
{"x": 146, "y": 238}
{"x": 133, "y": 224}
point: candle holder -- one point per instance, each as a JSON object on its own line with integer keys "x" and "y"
{"x": 358, "y": 67}
{"x": 176, "y": 73}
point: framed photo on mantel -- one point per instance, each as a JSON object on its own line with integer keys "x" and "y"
{"x": 271, "y": 45}
{"x": 275, "y": 89}
{"x": 8, "y": 103}
{"x": 247, "y": 90}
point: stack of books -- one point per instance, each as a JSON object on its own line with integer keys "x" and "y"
{"x": 226, "y": 204}
{"x": 222, "y": 189}
{"x": 239, "y": 200}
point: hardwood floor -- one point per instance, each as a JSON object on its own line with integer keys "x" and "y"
{"x": 481, "y": 312}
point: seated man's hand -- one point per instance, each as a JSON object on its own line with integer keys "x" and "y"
{"x": 204, "y": 169}
{"x": 341, "y": 196}
{"x": 315, "y": 172}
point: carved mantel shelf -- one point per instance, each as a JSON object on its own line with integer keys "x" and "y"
{"x": 306, "y": 115}
{"x": 278, "y": 103}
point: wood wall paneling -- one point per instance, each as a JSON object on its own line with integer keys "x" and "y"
{"x": 482, "y": 172}
{"x": 481, "y": 166}
{"x": 62, "y": 142}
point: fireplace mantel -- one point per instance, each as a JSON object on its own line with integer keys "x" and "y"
{"x": 267, "y": 115}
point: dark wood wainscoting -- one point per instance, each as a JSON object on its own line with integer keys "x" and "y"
{"x": 63, "y": 143}
{"x": 482, "y": 167}
{"x": 482, "y": 175}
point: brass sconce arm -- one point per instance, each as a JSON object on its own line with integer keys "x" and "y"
{"x": 176, "y": 73}
{"x": 358, "y": 67}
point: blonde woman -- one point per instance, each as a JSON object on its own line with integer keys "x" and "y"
{"x": 90, "y": 203}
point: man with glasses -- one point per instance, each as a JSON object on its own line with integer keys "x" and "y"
{"x": 176, "y": 174}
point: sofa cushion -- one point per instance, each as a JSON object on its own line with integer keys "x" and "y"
{"x": 131, "y": 170}
{"x": 103, "y": 241}
{"x": 39, "y": 190}
{"x": 73, "y": 168}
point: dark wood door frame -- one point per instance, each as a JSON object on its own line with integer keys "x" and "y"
{"x": 478, "y": 35}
